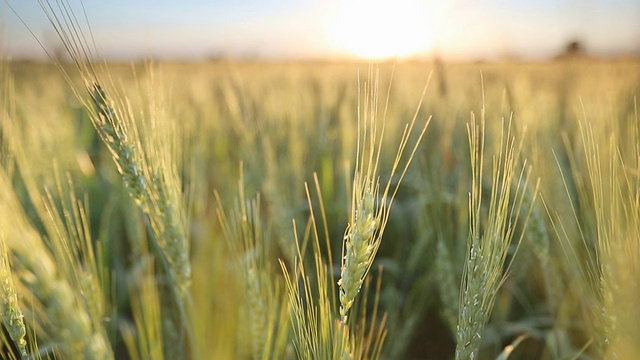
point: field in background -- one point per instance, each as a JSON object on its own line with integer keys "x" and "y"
{"x": 261, "y": 131}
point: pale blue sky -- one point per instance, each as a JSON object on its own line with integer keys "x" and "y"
{"x": 306, "y": 28}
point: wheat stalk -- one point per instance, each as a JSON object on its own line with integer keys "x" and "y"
{"x": 316, "y": 332}
{"x": 447, "y": 280}
{"x": 243, "y": 231}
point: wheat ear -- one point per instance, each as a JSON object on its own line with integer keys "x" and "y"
{"x": 12, "y": 316}
{"x": 370, "y": 204}
{"x": 149, "y": 175}
{"x": 360, "y": 242}
{"x": 489, "y": 244}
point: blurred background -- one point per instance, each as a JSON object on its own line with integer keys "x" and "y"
{"x": 314, "y": 29}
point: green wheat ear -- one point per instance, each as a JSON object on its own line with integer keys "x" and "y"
{"x": 370, "y": 205}
{"x": 12, "y": 316}
{"x": 490, "y": 238}
{"x": 360, "y": 244}
{"x": 124, "y": 152}
{"x": 148, "y": 170}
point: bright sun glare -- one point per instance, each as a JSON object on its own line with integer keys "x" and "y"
{"x": 381, "y": 29}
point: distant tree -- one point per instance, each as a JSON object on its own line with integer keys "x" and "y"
{"x": 574, "y": 48}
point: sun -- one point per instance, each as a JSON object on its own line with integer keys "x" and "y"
{"x": 381, "y": 29}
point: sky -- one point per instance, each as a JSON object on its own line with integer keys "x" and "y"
{"x": 316, "y": 29}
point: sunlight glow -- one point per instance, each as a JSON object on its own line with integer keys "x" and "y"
{"x": 381, "y": 29}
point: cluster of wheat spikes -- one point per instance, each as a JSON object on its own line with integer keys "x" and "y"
{"x": 143, "y": 146}
{"x": 68, "y": 292}
{"x": 52, "y": 280}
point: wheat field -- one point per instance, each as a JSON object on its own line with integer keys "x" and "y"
{"x": 325, "y": 210}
